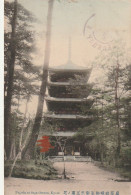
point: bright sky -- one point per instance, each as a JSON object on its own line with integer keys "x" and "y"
{"x": 102, "y": 21}
{"x": 112, "y": 19}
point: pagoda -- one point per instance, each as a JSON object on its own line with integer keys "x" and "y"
{"x": 64, "y": 105}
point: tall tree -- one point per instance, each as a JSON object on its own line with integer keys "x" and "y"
{"x": 11, "y": 65}
{"x": 113, "y": 115}
{"x": 20, "y": 73}
{"x": 29, "y": 151}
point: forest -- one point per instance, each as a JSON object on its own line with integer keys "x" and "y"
{"x": 111, "y": 129}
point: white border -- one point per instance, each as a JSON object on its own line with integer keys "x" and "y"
{"x": 1, "y": 96}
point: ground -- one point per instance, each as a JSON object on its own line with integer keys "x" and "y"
{"x": 82, "y": 176}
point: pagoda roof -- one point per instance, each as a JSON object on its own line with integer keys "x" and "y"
{"x": 48, "y": 98}
{"x": 69, "y": 67}
{"x": 67, "y": 116}
{"x": 62, "y": 134}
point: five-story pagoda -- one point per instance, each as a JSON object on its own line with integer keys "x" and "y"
{"x": 65, "y": 102}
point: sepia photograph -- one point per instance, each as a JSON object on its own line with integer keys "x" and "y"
{"x": 67, "y": 97}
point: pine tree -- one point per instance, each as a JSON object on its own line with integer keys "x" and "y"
{"x": 19, "y": 70}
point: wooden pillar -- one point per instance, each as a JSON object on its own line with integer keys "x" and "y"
{"x": 72, "y": 151}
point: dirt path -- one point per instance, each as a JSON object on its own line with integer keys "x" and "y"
{"x": 85, "y": 172}
{"x": 84, "y": 178}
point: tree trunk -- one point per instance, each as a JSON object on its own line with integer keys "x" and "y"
{"x": 22, "y": 131}
{"x": 8, "y": 98}
{"x": 101, "y": 153}
{"x": 29, "y": 150}
{"x": 12, "y": 150}
{"x": 20, "y": 150}
{"x": 62, "y": 149}
{"x": 12, "y": 153}
{"x": 117, "y": 108}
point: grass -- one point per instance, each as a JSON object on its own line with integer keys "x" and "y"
{"x": 123, "y": 171}
{"x": 29, "y": 170}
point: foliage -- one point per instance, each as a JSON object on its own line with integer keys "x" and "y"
{"x": 25, "y": 72}
{"x": 30, "y": 170}
{"x": 112, "y": 109}
{"x": 20, "y": 73}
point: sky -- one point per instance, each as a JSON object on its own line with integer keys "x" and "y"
{"x": 112, "y": 18}
{"x": 92, "y": 25}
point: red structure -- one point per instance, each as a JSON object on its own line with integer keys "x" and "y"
{"x": 44, "y": 143}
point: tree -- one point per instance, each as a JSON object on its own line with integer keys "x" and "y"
{"x": 20, "y": 73}
{"x": 110, "y": 110}
{"x": 62, "y": 144}
{"x": 21, "y": 147}
{"x": 29, "y": 151}
{"x": 115, "y": 66}
{"x": 11, "y": 65}
{"x": 113, "y": 115}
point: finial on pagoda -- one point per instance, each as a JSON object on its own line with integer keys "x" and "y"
{"x": 69, "y": 49}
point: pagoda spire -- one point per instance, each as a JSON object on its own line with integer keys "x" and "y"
{"x": 69, "y": 49}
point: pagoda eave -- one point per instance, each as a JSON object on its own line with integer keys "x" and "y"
{"x": 69, "y": 70}
{"x": 60, "y": 134}
{"x": 67, "y": 116}
{"x": 64, "y": 134}
{"x": 67, "y": 99}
